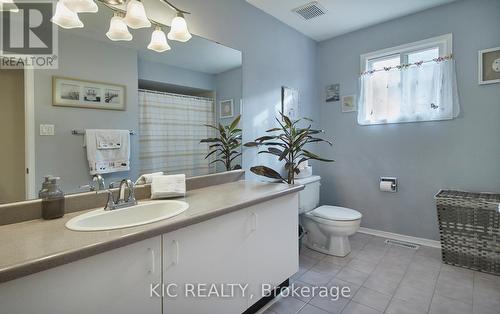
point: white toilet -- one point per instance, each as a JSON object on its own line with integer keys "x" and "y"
{"x": 328, "y": 227}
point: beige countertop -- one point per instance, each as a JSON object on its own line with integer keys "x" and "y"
{"x": 32, "y": 246}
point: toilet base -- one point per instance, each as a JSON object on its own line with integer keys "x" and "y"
{"x": 336, "y": 246}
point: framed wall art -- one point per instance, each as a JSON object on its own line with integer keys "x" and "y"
{"x": 69, "y": 92}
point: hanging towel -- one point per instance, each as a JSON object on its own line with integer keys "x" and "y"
{"x": 148, "y": 177}
{"x": 168, "y": 186}
{"x": 108, "y": 150}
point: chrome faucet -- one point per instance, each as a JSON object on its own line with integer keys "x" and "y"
{"x": 121, "y": 201}
{"x": 97, "y": 184}
{"x": 100, "y": 182}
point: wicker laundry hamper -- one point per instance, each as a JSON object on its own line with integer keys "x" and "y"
{"x": 469, "y": 225}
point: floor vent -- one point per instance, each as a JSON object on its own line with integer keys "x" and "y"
{"x": 310, "y": 10}
{"x": 407, "y": 245}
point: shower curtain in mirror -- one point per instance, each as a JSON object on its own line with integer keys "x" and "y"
{"x": 171, "y": 127}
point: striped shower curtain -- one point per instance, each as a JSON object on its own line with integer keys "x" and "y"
{"x": 171, "y": 127}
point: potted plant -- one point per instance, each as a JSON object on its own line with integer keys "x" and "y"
{"x": 226, "y": 146}
{"x": 287, "y": 142}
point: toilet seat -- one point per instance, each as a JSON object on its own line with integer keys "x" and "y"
{"x": 336, "y": 213}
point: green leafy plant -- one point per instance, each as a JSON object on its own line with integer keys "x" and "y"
{"x": 289, "y": 146}
{"x": 226, "y": 146}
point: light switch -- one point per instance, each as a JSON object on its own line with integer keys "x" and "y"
{"x": 47, "y": 129}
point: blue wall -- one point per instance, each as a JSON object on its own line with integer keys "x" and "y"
{"x": 168, "y": 74}
{"x": 463, "y": 153}
{"x": 273, "y": 55}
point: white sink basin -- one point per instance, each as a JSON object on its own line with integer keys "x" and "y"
{"x": 140, "y": 214}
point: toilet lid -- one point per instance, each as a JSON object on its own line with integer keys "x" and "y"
{"x": 336, "y": 213}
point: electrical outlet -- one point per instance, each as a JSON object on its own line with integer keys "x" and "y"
{"x": 47, "y": 129}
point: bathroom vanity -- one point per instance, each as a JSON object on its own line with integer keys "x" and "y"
{"x": 234, "y": 233}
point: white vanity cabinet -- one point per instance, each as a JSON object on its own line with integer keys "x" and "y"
{"x": 257, "y": 245}
{"x": 117, "y": 281}
{"x": 209, "y": 252}
{"x": 251, "y": 246}
{"x": 272, "y": 248}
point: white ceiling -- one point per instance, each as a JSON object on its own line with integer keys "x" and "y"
{"x": 198, "y": 54}
{"x": 343, "y": 16}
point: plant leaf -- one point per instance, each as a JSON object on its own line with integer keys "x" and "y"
{"x": 266, "y": 172}
{"x": 211, "y": 126}
{"x": 234, "y": 157}
{"x": 211, "y": 153}
{"x": 210, "y": 140}
{"x": 316, "y": 140}
{"x": 265, "y": 138}
{"x": 316, "y": 157}
{"x": 251, "y": 144}
{"x": 235, "y": 122}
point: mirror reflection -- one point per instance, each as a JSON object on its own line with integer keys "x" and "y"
{"x": 114, "y": 110}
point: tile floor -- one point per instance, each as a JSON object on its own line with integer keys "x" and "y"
{"x": 390, "y": 279}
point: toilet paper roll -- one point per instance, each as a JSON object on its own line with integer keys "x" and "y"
{"x": 386, "y": 186}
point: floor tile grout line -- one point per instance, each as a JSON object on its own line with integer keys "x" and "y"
{"x": 341, "y": 268}
{"x": 404, "y": 274}
{"x": 435, "y": 288}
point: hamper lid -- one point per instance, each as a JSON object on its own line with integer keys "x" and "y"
{"x": 483, "y": 196}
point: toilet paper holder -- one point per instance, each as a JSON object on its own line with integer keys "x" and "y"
{"x": 393, "y": 181}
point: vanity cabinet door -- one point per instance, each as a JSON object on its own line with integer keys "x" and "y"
{"x": 117, "y": 281}
{"x": 197, "y": 256}
{"x": 272, "y": 246}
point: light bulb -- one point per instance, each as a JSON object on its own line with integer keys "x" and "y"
{"x": 8, "y": 5}
{"x": 81, "y": 6}
{"x": 118, "y": 30}
{"x": 178, "y": 29}
{"x": 65, "y": 18}
{"x": 158, "y": 41}
{"x": 136, "y": 15}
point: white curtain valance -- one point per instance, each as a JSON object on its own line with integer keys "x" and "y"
{"x": 425, "y": 91}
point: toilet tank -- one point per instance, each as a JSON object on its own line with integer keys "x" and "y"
{"x": 309, "y": 197}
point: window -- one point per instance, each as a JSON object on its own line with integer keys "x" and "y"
{"x": 409, "y": 83}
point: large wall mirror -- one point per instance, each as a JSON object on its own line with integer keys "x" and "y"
{"x": 164, "y": 99}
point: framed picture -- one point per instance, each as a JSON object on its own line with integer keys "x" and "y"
{"x": 489, "y": 66}
{"x": 69, "y": 92}
{"x": 349, "y": 103}
{"x": 290, "y": 102}
{"x": 333, "y": 93}
{"x": 226, "y": 108}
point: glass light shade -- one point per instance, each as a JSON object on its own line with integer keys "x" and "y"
{"x": 81, "y": 6}
{"x": 8, "y": 5}
{"x": 158, "y": 41}
{"x": 178, "y": 29}
{"x": 136, "y": 15}
{"x": 65, "y": 18}
{"x": 118, "y": 30}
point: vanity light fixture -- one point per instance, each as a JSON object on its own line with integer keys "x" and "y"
{"x": 179, "y": 30}
{"x": 81, "y": 6}
{"x": 118, "y": 30}
{"x": 8, "y": 5}
{"x": 134, "y": 16}
{"x": 66, "y": 18}
{"x": 158, "y": 40}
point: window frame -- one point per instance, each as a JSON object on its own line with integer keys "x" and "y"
{"x": 443, "y": 42}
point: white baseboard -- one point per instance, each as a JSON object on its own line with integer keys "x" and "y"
{"x": 401, "y": 237}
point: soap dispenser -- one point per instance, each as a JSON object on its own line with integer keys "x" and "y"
{"x": 52, "y": 199}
